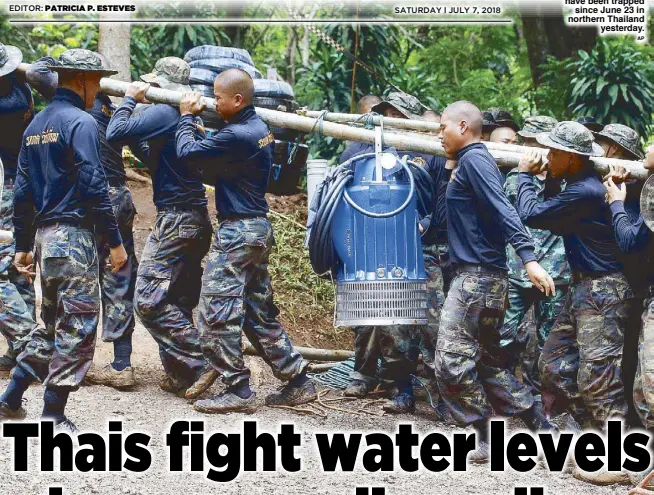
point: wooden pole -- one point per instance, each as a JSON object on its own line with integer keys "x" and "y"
{"x": 349, "y": 118}
{"x": 404, "y": 142}
{"x": 309, "y": 353}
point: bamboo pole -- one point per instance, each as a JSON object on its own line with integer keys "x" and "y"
{"x": 308, "y": 353}
{"x": 349, "y": 118}
{"x": 404, "y": 142}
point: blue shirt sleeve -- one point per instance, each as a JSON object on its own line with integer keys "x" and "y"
{"x": 149, "y": 124}
{"x": 23, "y": 217}
{"x": 92, "y": 182}
{"x": 630, "y": 236}
{"x": 557, "y": 214}
{"x": 211, "y": 153}
{"x": 486, "y": 181}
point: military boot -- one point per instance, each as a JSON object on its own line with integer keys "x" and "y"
{"x": 400, "y": 404}
{"x": 293, "y": 394}
{"x": 7, "y": 363}
{"x": 172, "y": 386}
{"x": 226, "y": 402}
{"x": 66, "y": 426}
{"x": 202, "y": 384}
{"x": 603, "y": 477}
{"x": 8, "y": 414}
{"x": 356, "y": 388}
{"x": 111, "y": 377}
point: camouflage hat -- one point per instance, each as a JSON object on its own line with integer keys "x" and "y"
{"x": 10, "y": 59}
{"x": 537, "y": 125}
{"x": 488, "y": 121}
{"x": 504, "y": 119}
{"x": 81, "y": 60}
{"x": 623, "y": 136}
{"x": 407, "y": 105}
{"x": 590, "y": 123}
{"x": 571, "y": 137}
{"x": 170, "y": 73}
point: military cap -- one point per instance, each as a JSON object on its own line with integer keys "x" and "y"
{"x": 590, "y": 123}
{"x": 571, "y": 137}
{"x": 504, "y": 119}
{"x": 488, "y": 121}
{"x": 170, "y": 73}
{"x": 623, "y": 136}
{"x": 537, "y": 125}
{"x": 81, "y": 60}
{"x": 407, "y": 105}
{"x": 10, "y": 59}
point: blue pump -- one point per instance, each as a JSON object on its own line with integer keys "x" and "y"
{"x": 380, "y": 270}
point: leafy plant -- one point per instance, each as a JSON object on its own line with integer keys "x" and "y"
{"x": 614, "y": 84}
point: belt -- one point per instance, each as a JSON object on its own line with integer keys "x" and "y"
{"x": 579, "y": 275}
{"x": 471, "y": 267}
{"x": 117, "y": 182}
{"x": 222, "y": 218}
{"x": 198, "y": 209}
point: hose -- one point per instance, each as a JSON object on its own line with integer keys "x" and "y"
{"x": 320, "y": 242}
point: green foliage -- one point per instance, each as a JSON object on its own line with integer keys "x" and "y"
{"x": 551, "y": 96}
{"x": 613, "y": 84}
{"x": 151, "y": 42}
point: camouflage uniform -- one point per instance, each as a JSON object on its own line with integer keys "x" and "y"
{"x": 168, "y": 287}
{"x": 61, "y": 353}
{"x": 550, "y": 253}
{"x": 237, "y": 298}
{"x": 400, "y": 345}
{"x": 644, "y": 383}
{"x": 470, "y": 358}
{"x": 581, "y": 360}
{"x": 17, "y": 297}
{"x": 367, "y": 352}
{"x": 118, "y": 288}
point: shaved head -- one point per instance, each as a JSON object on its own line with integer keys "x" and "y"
{"x": 468, "y": 112}
{"x": 233, "y": 90}
{"x": 366, "y": 103}
{"x": 461, "y": 125}
{"x": 235, "y": 82}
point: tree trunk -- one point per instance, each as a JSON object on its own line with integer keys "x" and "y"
{"x": 306, "y": 45}
{"x": 113, "y": 44}
{"x": 235, "y": 33}
{"x": 546, "y": 34}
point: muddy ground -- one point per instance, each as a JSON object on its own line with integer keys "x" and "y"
{"x": 148, "y": 409}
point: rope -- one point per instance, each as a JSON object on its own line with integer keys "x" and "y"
{"x": 319, "y": 122}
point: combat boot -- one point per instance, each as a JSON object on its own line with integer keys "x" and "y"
{"x": 11, "y": 414}
{"x": 293, "y": 393}
{"x": 356, "y": 388}
{"x": 401, "y": 403}
{"x": 226, "y": 402}
{"x": 603, "y": 477}
{"x": 111, "y": 377}
{"x": 202, "y": 384}
{"x": 481, "y": 454}
{"x": 66, "y": 426}
{"x": 172, "y": 386}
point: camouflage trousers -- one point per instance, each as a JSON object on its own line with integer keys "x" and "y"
{"x": 644, "y": 382}
{"x": 581, "y": 361}
{"x": 61, "y": 353}
{"x": 471, "y": 362}
{"x": 529, "y": 336}
{"x": 401, "y": 345}
{"x": 237, "y": 299}
{"x": 17, "y": 297}
{"x": 117, "y": 289}
{"x": 168, "y": 288}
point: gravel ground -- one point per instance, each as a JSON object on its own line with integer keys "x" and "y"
{"x": 150, "y": 410}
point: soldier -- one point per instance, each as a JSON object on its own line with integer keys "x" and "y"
{"x": 581, "y": 358}
{"x": 62, "y": 192}
{"x": 504, "y": 135}
{"x": 636, "y": 240}
{"x": 503, "y": 118}
{"x": 550, "y": 253}
{"x": 590, "y": 123}
{"x": 237, "y": 296}
{"x": 365, "y": 103}
{"x": 17, "y": 298}
{"x": 471, "y": 365}
{"x": 117, "y": 289}
{"x": 619, "y": 141}
{"x": 431, "y": 116}
{"x": 488, "y": 125}
{"x": 399, "y": 346}
{"x": 169, "y": 275}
